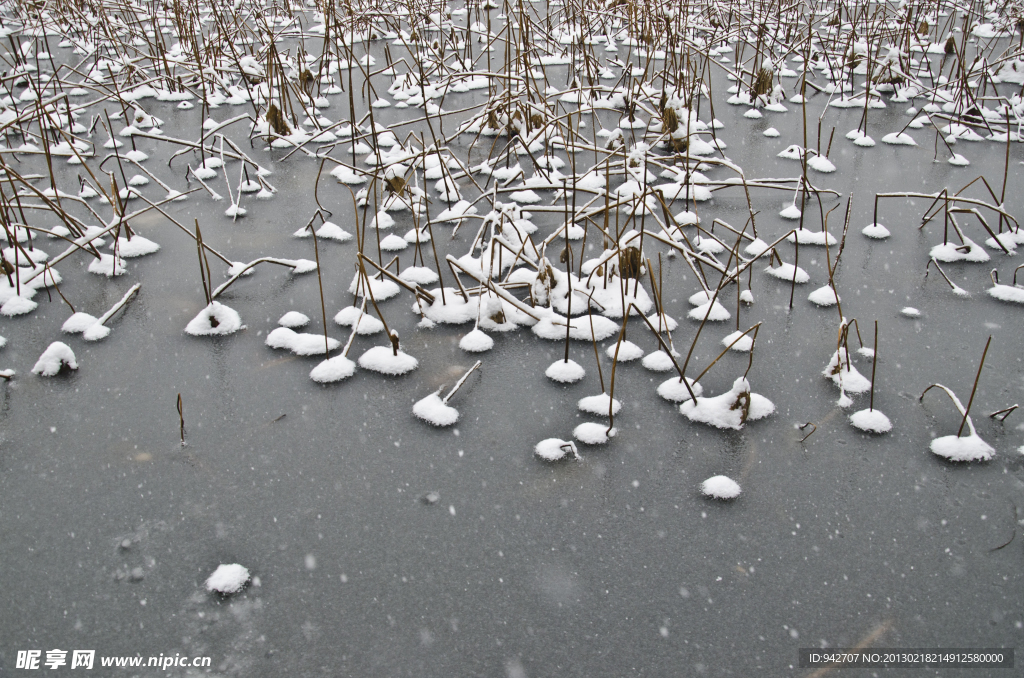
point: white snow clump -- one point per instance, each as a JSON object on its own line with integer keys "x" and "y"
{"x": 54, "y": 357}
{"x": 720, "y": 487}
{"x": 228, "y": 579}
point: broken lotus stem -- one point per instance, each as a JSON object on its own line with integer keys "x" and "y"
{"x": 460, "y": 382}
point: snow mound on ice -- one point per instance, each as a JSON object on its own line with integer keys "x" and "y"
{"x": 476, "y": 341}
{"x": 434, "y": 410}
{"x": 787, "y": 271}
{"x": 657, "y": 361}
{"x": 136, "y": 247}
{"x": 628, "y": 351}
{"x": 382, "y": 359}
{"x": 598, "y": 404}
{"x": 591, "y": 433}
{"x": 718, "y": 313}
{"x": 805, "y": 236}
{"x": 1007, "y": 293}
{"x": 824, "y": 296}
{"x": 743, "y": 342}
{"x": 844, "y": 375}
{"x": 553, "y": 449}
{"x": 293, "y": 319}
{"x": 53, "y": 358}
{"x": 77, "y": 323}
{"x": 300, "y": 343}
{"x": 876, "y": 231}
{"x": 871, "y": 421}
{"x": 565, "y": 372}
{"x": 227, "y": 579}
{"x": 720, "y": 487}
{"x": 333, "y": 369}
{"x": 969, "y": 251}
{"x": 674, "y": 390}
{"x": 107, "y": 265}
{"x": 963, "y": 448}
{"x": 731, "y": 409}
{"x": 351, "y": 316}
{"x": 331, "y": 231}
{"x": 215, "y": 320}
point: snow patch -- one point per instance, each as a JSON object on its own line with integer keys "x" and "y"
{"x": 964, "y": 448}
{"x": 300, "y": 343}
{"x": 57, "y": 355}
{"x": 720, "y": 487}
{"x": 876, "y": 231}
{"x": 434, "y": 410}
{"x": 332, "y": 370}
{"x": 591, "y": 433}
{"x": 382, "y": 359}
{"x": 871, "y": 421}
{"x": 228, "y": 579}
{"x": 554, "y": 449}
{"x": 598, "y": 404}
{"x": 565, "y": 372}
{"x": 729, "y": 410}
{"x": 215, "y": 320}
{"x": 293, "y": 319}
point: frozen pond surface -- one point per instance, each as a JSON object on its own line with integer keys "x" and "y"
{"x": 382, "y": 546}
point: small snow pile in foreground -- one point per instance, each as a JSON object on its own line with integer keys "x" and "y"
{"x": 591, "y": 433}
{"x": 969, "y": 251}
{"x": 675, "y": 391}
{"x": 137, "y": 246}
{"x": 78, "y": 322}
{"x": 434, "y": 410}
{"x": 658, "y": 361}
{"x": 1011, "y": 293}
{"x": 383, "y": 359}
{"x": 738, "y": 341}
{"x": 365, "y": 324}
{"x": 876, "y": 231}
{"x": 713, "y": 311}
{"x": 732, "y": 409}
{"x": 476, "y": 341}
{"x": 963, "y": 448}
{"x": 108, "y": 265}
{"x": 626, "y": 351}
{"x": 293, "y": 320}
{"x": 216, "y": 319}
{"x": 554, "y": 449}
{"x": 332, "y": 231}
{"x": 565, "y": 372}
{"x": 842, "y": 372}
{"x": 333, "y": 369}
{"x": 808, "y": 237}
{"x": 17, "y": 305}
{"x": 969, "y": 447}
{"x": 791, "y": 212}
{"x": 228, "y": 579}
{"x": 899, "y": 139}
{"x": 871, "y": 421}
{"x": 821, "y": 164}
{"x": 599, "y": 404}
{"x": 54, "y": 357}
{"x": 824, "y": 296}
{"x": 789, "y": 273}
{"x": 720, "y": 487}
{"x": 301, "y": 343}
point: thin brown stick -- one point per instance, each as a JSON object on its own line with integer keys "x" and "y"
{"x": 974, "y": 389}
